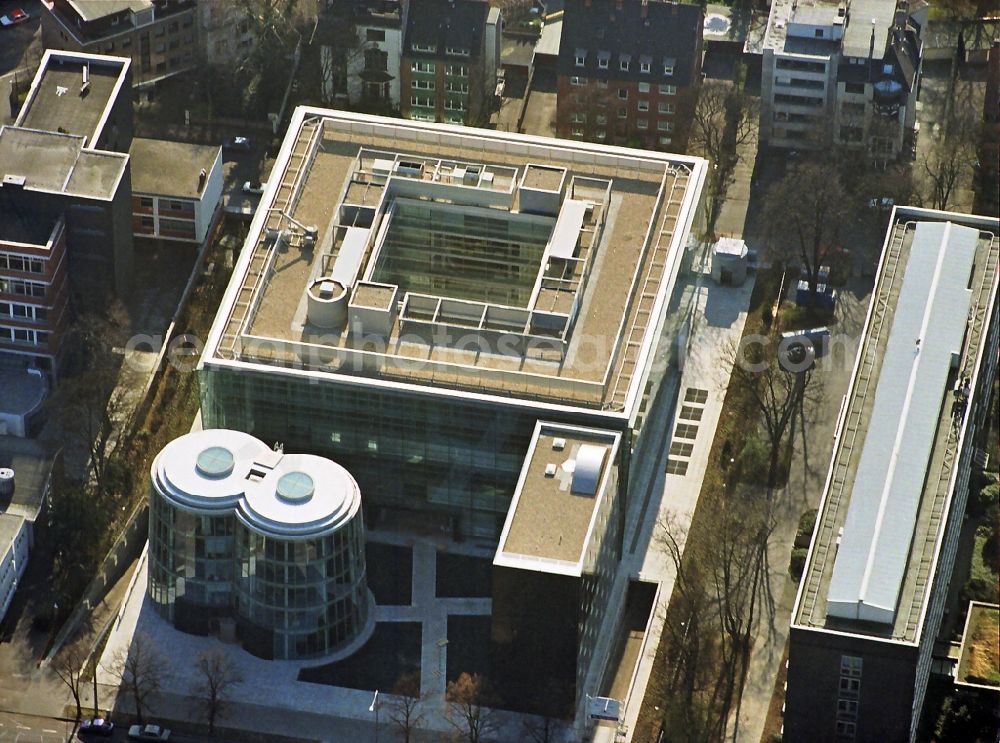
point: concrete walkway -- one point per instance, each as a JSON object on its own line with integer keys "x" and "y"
{"x": 719, "y": 316}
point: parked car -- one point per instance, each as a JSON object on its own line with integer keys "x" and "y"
{"x": 883, "y": 204}
{"x": 14, "y": 18}
{"x": 239, "y": 143}
{"x": 253, "y": 187}
{"x": 148, "y": 732}
{"x": 97, "y": 727}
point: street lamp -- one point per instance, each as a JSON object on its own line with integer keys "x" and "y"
{"x": 374, "y": 708}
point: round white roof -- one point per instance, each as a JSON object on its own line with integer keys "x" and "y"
{"x": 304, "y": 496}
{"x": 206, "y": 470}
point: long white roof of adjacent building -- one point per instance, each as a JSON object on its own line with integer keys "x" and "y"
{"x": 927, "y": 333}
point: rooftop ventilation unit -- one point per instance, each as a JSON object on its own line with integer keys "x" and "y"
{"x": 14, "y": 181}
{"x": 550, "y": 470}
{"x": 558, "y": 444}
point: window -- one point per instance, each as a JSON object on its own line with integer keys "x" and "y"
{"x": 623, "y": 94}
{"x": 600, "y": 135}
{"x": 846, "y": 730}
{"x": 818, "y": 33}
{"x": 668, "y": 67}
{"x": 848, "y": 707}
{"x": 427, "y": 48}
{"x": 642, "y": 124}
{"x": 374, "y": 34}
{"x": 423, "y": 67}
{"x": 668, "y": 89}
{"x": 664, "y": 141}
{"x": 622, "y": 113}
{"x": 643, "y": 87}
{"x": 580, "y": 57}
{"x": 421, "y": 100}
{"x": 601, "y": 118}
{"x": 456, "y": 70}
{"x": 422, "y": 84}
{"x": 664, "y": 126}
{"x": 623, "y": 62}
{"x": 578, "y": 118}
{"x": 602, "y": 60}
{"x": 602, "y": 83}
{"x": 855, "y": 88}
{"x": 146, "y": 202}
{"x": 644, "y": 67}
{"x": 643, "y": 105}
{"x": 577, "y": 81}
{"x": 147, "y": 223}
{"x": 850, "y": 665}
{"x": 160, "y": 48}
{"x": 456, "y": 87}
{"x": 452, "y": 105}
{"x": 457, "y": 51}
{"x": 665, "y": 108}
{"x": 577, "y": 131}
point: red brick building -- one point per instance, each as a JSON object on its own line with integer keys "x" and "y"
{"x": 627, "y": 71}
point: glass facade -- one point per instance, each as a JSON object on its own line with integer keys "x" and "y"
{"x": 308, "y": 597}
{"x": 444, "y": 455}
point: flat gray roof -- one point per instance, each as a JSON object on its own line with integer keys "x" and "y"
{"x": 58, "y": 162}
{"x": 565, "y": 478}
{"x": 57, "y": 101}
{"x": 91, "y": 10}
{"x": 169, "y": 168}
{"x": 914, "y": 541}
{"x": 22, "y": 392}
{"x": 627, "y": 257}
{"x": 32, "y": 465}
{"x": 10, "y": 525}
{"x": 866, "y": 14}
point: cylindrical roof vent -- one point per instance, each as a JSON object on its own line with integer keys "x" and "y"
{"x": 327, "y": 303}
{"x": 6, "y": 481}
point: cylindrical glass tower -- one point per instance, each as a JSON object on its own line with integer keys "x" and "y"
{"x": 274, "y": 541}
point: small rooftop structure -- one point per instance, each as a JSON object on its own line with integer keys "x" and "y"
{"x": 164, "y": 168}
{"x": 730, "y": 259}
{"x": 73, "y": 93}
{"x": 979, "y": 656}
{"x": 31, "y": 464}
{"x": 567, "y": 474}
{"x": 24, "y": 392}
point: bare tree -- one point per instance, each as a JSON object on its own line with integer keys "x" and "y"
{"x": 216, "y": 676}
{"x": 950, "y": 161}
{"x": 723, "y": 121}
{"x": 804, "y": 213}
{"x": 467, "y": 710}
{"x": 405, "y": 706}
{"x": 68, "y": 665}
{"x": 140, "y": 668}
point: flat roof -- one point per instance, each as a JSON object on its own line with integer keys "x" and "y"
{"x": 978, "y": 658}
{"x": 785, "y": 12}
{"x": 893, "y": 550}
{"x": 23, "y": 392}
{"x": 59, "y": 102}
{"x": 22, "y": 226}
{"x": 588, "y": 323}
{"x": 864, "y": 15}
{"x": 10, "y": 527}
{"x": 60, "y": 163}
{"x": 167, "y": 168}
{"x": 32, "y": 465}
{"x": 566, "y": 476}
{"x": 91, "y": 10}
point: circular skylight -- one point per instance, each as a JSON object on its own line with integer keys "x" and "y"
{"x": 295, "y": 486}
{"x": 216, "y": 461}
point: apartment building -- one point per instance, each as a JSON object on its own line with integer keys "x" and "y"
{"x": 176, "y": 189}
{"x": 628, "y": 71}
{"x": 65, "y": 161}
{"x": 224, "y": 34}
{"x": 449, "y": 61}
{"x": 34, "y": 287}
{"x": 841, "y": 73}
{"x": 873, "y": 591}
{"x": 159, "y": 36}
{"x": 369, "y": 73}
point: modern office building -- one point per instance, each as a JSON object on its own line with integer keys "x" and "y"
{"x": 272, "y": 541}
{"x": 557, "y": 560}
{"x": 839, "y": 72}
{"x": 628, "y": 71}
{"x": 873, "y": 590}
{"x": 65, "y": 162}
{"x": 450, "y": 58}
{"x": 460, "y": 286}
{"x": 176, "y": 189}
{"x": 159, "y": 36}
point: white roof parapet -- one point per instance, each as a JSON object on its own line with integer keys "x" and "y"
{"x": 927, "y": 331}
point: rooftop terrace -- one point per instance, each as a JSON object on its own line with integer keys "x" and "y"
{"x": 567, "y": 474}
{"x": 527, "y": 267}
{"x": 60, "y": 101}
{"x": 889, "y": 555}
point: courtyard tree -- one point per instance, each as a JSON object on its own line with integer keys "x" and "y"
{"x": 217, "y": 675}
{"x": 804, "y": 213}
{"x": 405, "y": 707}
{"x": 467, "y": 709}
{"x": 950, "y": 161}
{"x": 140, "y": 668}
{"x": 68, "y": 666}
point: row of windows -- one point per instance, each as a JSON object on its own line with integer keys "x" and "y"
{"x": 454, "y": 70}
{"x": 663, "y": 88}
{"x": 579, "y": 117}
{"x": 23, "y": 311}
{"x": 24, "y": 335}
{"x": 624, "y": 62}
{"x": 22, "y": 287}
{"x": 21, "y": 263}
{"x": 453, "y": 51}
